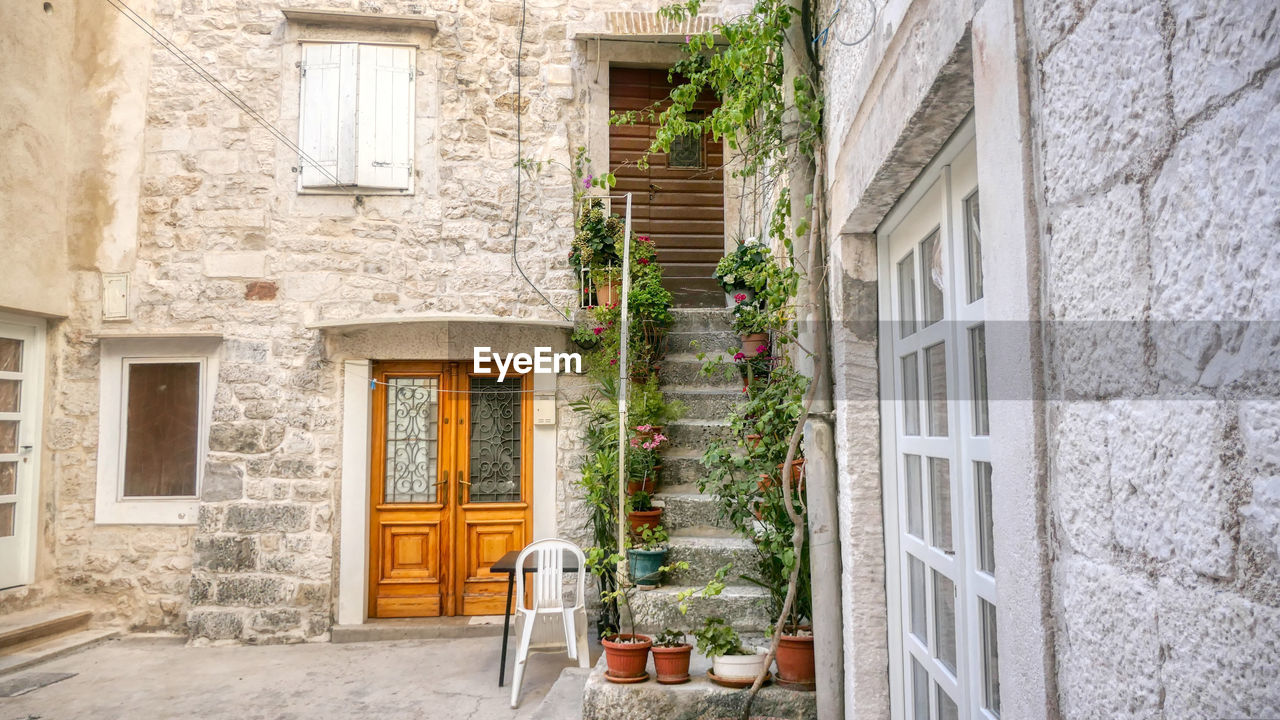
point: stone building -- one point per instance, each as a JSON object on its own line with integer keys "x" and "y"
{"x": 1056, "y": 409}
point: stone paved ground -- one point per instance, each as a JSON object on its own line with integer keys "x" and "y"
{"x": 419, "y": 679}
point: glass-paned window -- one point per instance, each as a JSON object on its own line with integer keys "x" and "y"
{"x": 687, "y": 151}
{"x": 947, "y": 709}
{"x": 915, "y": 497}
{"x": 978, "y": 366}
{"x": 931, "y": 278}
{"x": 413, "y": 451}
{"x": 162, "y": 430}
{"x": 910, "y": 395}
{"x": 944, "y": 620}
{"x": 919, "y": 691}
{"x": 940, "y": 504}
{"x": 990, "y": 658}
{"x": 935, "y": 382}
{"x": 495, "y": 440}
{"x": 10, "y": 355}
{"x": 916, "y": 578}
{"x": 907, "y": 295}
{"x": 986, "y": 535}
{"x": 10, "y": 396}
{"x": 973, "y": 246}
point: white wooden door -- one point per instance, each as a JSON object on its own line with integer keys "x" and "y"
{"x": 937, "y": 455}
{"x": 21, "y": 357}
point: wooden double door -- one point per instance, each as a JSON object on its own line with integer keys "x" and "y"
{"x": 451, "y": 487}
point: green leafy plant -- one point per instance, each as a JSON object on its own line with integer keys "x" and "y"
{"x": 744, "y": 268}
{"x": 716, "y": 638}
{"x": 671, "y": 638}
{"x": 750, "y": 319}
{"x": 652, "y": 538}
{"x": 640, "y": 501}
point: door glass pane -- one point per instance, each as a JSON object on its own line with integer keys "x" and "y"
{"x": 6, "y": 519}
{"x": 915, "y": 498}
{"x": 495, "y": 440}
{"x": 10, "y": 395}
{"x": 686, "y": 150}
{"x": 935, "y": 383}
{"x": 907, "y": 295}
{"x": 910, "y": 395}
{"x": 915, "y": 569}
{"x": 413, "y": 416}
{"x": 919, "y": 692}
{"x": 973, "y": 246}
{"x": 986, "y": 544}
{"x": 9, "y": 477}
{"x": 10, "y": 355}
{"x": 947, "y": 709}
{"x": 931, "y": 278}
{"x": 940, "y": 503}
{"x": 944, "y": 620}
{"x": 978, "y": 364}
{"x": 162, "y": 432}
{"x": 990, "y": 658}
{"x": 8, "y": 436}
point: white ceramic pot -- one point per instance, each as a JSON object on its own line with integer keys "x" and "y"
{"x": 738, "y": 667}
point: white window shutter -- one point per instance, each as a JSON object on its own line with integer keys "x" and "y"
{"x": 385, "y": 120}
{"x": 327, "y": 115}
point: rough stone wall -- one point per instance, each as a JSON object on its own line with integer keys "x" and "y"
{"x": 1158, "y": 146}
{"x": 225, "y": 244}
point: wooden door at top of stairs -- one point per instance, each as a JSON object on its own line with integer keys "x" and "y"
{"x": 451, "y": 488}
{"x": 678, "y": 200}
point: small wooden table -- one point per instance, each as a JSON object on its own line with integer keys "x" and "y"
{"x": 507, "y": 564}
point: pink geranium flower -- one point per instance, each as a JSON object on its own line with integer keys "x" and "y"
{"x": 739, "y": 356}
{"x": 740, "y": 297}
{"x": 761, "y": 349}
{"x": 597, "y": 330}
{"x": 644, "y": 261}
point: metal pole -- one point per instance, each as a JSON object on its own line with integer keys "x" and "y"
{"x": 624, "y": 328}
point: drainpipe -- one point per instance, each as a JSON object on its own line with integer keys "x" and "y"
{"x": 819, "y": 435}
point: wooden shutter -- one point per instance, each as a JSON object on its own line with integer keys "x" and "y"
{"x": 385, "y": 120}
{"x": 327, "y": 118}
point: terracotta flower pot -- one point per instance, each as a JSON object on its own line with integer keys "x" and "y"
{"x": 626, "y": 659}
{"x": 638, "y": 519}
{"x": 752, "y": 341}
{"x": 753, "y": 440}
{"x": 648, "y": 485}
{"x": 671, "y": 664}
{"x": 795, "y": 659}
{"x": 608, "y": 294}
{"x": 797, "y": 473}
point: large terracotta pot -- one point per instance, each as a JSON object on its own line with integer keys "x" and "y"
{"x": 752, "y": 341}
{"x": 626, "y": 660}
{"x": 795, "y": 659}
{"x": 637, "y": 519}
{"x": 649, "y": 484}
{"x": 609, "y": 294}
{"x": 671, "y": 664}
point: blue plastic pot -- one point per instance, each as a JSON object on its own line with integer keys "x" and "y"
{"x": 644, "y": 566}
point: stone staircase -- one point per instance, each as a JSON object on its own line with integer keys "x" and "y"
{"x": 698, "y": 536}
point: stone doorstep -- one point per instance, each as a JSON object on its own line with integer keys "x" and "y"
{"x": 52, "y": 648}
{"x": 695, "y": 700}
{"x": 33, "y": 626}
{"x": 389, "y": 629}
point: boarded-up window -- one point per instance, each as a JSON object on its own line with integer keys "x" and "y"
{"x": 162, "y": 429}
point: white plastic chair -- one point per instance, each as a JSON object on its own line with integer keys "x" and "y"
{"x": 550, "y": 625}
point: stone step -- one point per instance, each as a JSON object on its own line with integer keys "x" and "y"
{"x": 701, "y": 320}
{"x": 391, "y": 629}
{"x": 32, "y": 626}
{"x": 706, "y": 553}
{"x": 699, "y": 698}
{"x": 695, "y": 435}
{"x": 685, "y": 371}
{"x": 564, "y": 700}
{"x": 50, "y": 648}
{"x": 745, "y": 607}
{"x": 710, "y": 342}
{"x": 682, "y": 469}
{"x": 704, "y": 403}
{"x": 687, "y": 509}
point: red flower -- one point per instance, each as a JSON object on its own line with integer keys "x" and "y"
{"x": 740, "y": 297}
{"x": 762, "y": 349}
{"x": 739, "y": 356}
{"x": 597, "y": 330}
{"x": 644, "y": 261}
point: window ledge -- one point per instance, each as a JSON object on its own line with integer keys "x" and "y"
{"x": 358, "y": 19}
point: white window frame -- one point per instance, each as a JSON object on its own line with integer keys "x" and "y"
{"x": 118, "y": 355}
{"x": 960, "y": 446}
{"x": 358, "y": 140}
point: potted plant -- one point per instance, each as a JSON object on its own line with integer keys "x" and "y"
{"x": 731, "y": 663}
{"x": 795, "y": 658}
{"x": 751, "y": 323}
{"x": 597, "y": 246}
{"x": 645, "y": 559}
{"x": 626, "y": 654}
{"x": 671, "y": 651}
{"x": 743, "y": 270}
{"x": 642, "y": 513}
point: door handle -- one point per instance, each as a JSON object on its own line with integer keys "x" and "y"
{"x": 461, "y": 482}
